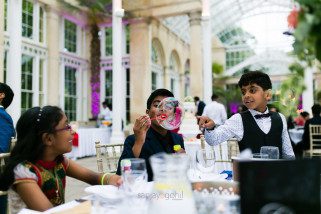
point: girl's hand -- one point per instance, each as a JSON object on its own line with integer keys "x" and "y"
{"x": 115, "y": 180}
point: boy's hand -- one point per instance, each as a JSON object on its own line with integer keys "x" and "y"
{"x": 140, "y": 128}
{"x": 181, "y": 151}
{"x": 205, "y": 122}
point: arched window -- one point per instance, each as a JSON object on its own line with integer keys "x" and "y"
{"x": 174, "y": 74}
{"x": 187, "y": 81}
{"x": 157, "y": 70}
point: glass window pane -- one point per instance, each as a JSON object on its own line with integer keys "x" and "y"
{"x": 127, "y": 39}
{"x": 109, "y": 86}
{"x": 109, "y": 41}
{"x": 41, "y": 75}
{"x": 41, "y": 26}
{"x": 154, "y": 81}
{"x": 70, "y": 36}
{"x": 172, "y": 84}
{"x": 27, "y": 18}
{"x": 5, "y": 14}
{"x": 26, "y": 83}
{"x": 5, "y": 67}
{"x": 70, "y": 93}
{"x": 127, "y": 96}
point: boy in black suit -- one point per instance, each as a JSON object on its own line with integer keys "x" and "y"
{"x": 255, "y": 127}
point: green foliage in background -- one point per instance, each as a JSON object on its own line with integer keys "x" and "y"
{"x": 95, "y": 12}
{"x": 217, "y": 68}
{"x": 307, "y": 45}
{"x": 290, "y": 91}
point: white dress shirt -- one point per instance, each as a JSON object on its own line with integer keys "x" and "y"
{"x": 216, "y": 111}
{"x": 233, "y": 127}
{"x": 106, "y": 114}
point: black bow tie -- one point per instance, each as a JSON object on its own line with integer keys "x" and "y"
{"x": 259, "y": 116}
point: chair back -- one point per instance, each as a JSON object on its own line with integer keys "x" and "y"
{"x": 111, "y": 154}
{"x": 224, "y": 153}
{"x": 12, "y": 143}
{"x": 315, "y": 140}
{"x": 232, "y": 150}
{"x": 3, "y": 157}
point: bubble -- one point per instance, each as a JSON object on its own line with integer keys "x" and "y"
{"x": 170, "y": 113}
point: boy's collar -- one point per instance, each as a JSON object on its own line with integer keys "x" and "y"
{"x": 1, "y": 106}
{"x": 254, "y": 112}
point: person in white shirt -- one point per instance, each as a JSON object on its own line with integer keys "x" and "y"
{"x": 256, "y": 127}
{"x": 105, "y": 114}
{"x": 215, "y": 111}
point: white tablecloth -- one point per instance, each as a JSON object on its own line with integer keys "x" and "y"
{"x": 296, "y": 135}
{"x": 87, "y": 139}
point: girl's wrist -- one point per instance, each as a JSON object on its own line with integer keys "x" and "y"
{"x": 107, "y": 176}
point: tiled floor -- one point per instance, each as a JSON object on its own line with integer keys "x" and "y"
{"x": 75, "y": 188}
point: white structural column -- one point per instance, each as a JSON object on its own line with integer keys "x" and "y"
{"x": 14, "y": 59}
{"x": 117, "y": 133}
{"x": 140, "y": 66}
{"x": 196, "y": 55}
{"x": 307, "y": 96}
{"x": 123, "y": 73}
{"x": 207, "y": 52}
{"x": 53, "y": 67}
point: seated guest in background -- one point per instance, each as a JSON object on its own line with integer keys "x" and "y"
{"x": 105, "y": 115}
{"x": 35, "y": 175}
{"x": 256, "y": 127}
{"x": 290, "y": 122}
{"x": 302, "y": 118}
{"x": 215, "y": 110}
{"x": 6, "y": 130}
{"x": 200, "y": 106}
{"x": 272, "y": 108}
{"x": 315, "y": 120}
{"x": 6, "y": 124}
{"x": 149, "y": 137}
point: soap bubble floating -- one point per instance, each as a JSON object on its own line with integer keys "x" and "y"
{"x": 170, "y": 113}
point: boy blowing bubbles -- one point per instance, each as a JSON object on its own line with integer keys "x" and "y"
{"x": 255, "y": 127}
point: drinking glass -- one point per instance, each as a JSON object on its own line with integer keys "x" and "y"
{"x": 271, "y": 151}
{"x": 134, "y": 174}
{"x": 205, "y": 160}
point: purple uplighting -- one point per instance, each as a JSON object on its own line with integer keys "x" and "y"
{"x": 95, "y": 95}
{"x": 233, "y": 107}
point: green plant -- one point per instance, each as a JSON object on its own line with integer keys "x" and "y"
{"x": 95, "y": 12}
{"x": 307, "y": 24}
{"x": 217, "y": 68}
{"x": 291, "y": 90}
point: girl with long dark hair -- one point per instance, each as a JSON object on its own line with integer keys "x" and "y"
{"x": 35, "y": 175}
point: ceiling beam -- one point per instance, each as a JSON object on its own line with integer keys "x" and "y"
{"x": 161, "y": 9}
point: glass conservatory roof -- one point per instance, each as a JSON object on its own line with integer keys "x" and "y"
{"x": 228, "y": 18}
{"x": 226, "y": 13}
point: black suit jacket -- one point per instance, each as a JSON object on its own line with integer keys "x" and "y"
{"x": 316, "y": 120}
{"x": 200, "y": 108}
{"x": 154, "y": 143}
